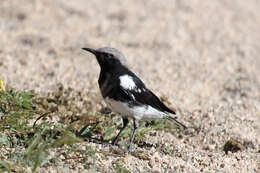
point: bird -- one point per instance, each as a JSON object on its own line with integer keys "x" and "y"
{"x": 125, "y": 93}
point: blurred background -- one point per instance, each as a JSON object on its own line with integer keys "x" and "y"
{"x": 202, "y": 56}
{"x": 186, "y": 48}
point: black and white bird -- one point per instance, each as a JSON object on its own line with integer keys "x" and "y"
{"x": 125, "y": 93}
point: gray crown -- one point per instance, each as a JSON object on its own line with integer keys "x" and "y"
{"x": 117, "y": 54}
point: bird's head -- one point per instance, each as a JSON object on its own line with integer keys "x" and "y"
{"x": 107, "y": 57}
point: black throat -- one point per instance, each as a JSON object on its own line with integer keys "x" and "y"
{"x": 109, "y": 77}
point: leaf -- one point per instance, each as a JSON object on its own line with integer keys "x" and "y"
{"x": 5, "y": 166}
{"x": 2, "y": 87}
{"x": 25, "y": 95}
{"x": 34, "y": 143}
{"x": 40, "y": 156}
{"x": 85, "y": 132}
{"x": 108, "y": 133}
{"x": 120, "y": 169}
{"x": 67, "y": 138}
{"x": 4, "y": 140}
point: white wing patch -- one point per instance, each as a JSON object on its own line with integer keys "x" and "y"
{"x": 127, "y": 82}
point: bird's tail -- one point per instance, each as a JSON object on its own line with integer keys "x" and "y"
{"x": 175, "y": 121}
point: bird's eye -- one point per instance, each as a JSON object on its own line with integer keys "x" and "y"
{"x": 110, "y": 56}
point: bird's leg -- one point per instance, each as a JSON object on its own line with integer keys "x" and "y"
{"x": 136, "y": 125}
{"x": 125, "y": 122}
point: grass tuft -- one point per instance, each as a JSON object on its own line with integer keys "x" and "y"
{"x": 37, "y": 131}
{"x": 30, "y": 144}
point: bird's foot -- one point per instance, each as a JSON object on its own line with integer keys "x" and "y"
{"x": 114, "y": 142}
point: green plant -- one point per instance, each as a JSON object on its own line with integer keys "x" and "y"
{"x": 31, "y": 144}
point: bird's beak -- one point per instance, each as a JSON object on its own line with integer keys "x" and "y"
{"x": 97, "y": 53}
{"x": 90, "y": 50}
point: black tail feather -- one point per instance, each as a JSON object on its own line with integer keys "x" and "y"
{"x": 176, "y": 122}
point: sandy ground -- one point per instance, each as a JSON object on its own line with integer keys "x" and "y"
{"x": 202, "y": 55}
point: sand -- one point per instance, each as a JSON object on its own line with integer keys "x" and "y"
{"x": 202, "y": 55}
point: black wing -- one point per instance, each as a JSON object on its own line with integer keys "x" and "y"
{"x": 142, "y": 95}
{"x": 138, "y": 95}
